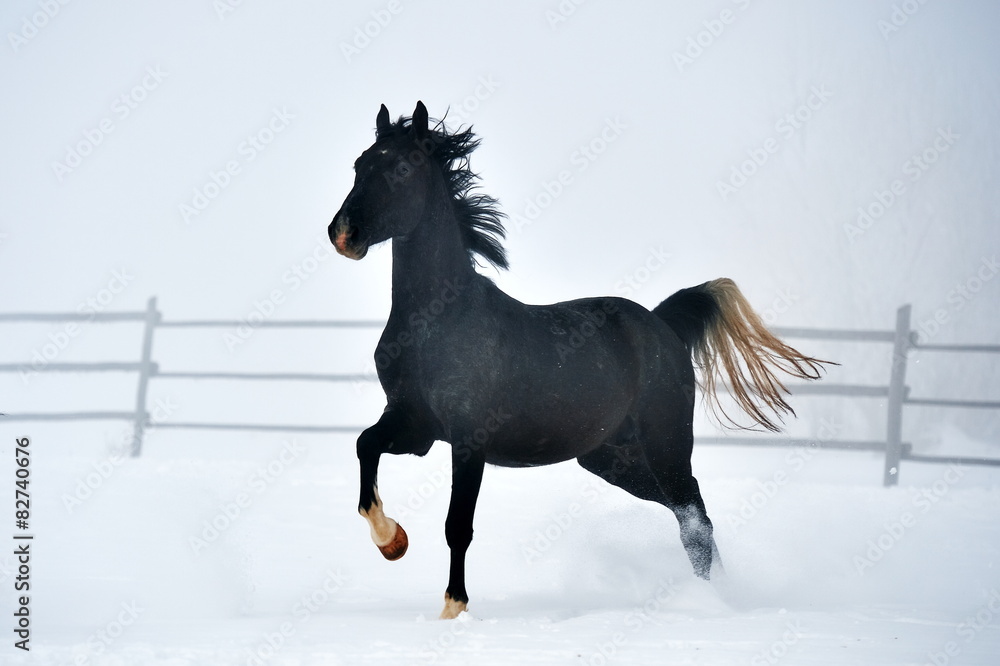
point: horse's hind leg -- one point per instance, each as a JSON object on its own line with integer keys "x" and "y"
{"x": 683, "y": 497}
{"x": 668, "y": 449}
{"x": 665, "y": 479}
{"x": 624, "y": 466}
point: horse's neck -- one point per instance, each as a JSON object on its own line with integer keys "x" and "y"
{"x": 430, "y": 263}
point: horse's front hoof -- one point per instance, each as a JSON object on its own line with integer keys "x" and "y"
{"x": 396, "y": 548}
{"x": 452, "y": 608}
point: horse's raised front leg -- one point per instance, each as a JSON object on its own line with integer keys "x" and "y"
{"x": 389, "y": 435}
{"x": 467, "y": 476}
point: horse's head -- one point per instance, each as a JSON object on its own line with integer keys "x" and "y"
{"x": 391, "y": 185}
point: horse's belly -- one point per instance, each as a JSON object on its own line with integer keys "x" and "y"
{"x": 516, "y": 446}
{"x": 536, "y": 453}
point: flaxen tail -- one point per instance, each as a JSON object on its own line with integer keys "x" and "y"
{"x": 727, "y": 339}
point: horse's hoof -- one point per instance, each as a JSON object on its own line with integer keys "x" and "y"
{"x": 396, "y": 548}
{"x": 452, "y": 608}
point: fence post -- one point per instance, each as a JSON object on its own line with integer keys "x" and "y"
{"x": 897, "y": 393}
{"x": 145, "y": 370}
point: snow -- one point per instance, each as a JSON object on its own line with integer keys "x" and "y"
{"x": 607, "y": 151}
{"x": 564, "y": 568}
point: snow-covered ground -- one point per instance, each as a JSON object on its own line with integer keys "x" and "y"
{"x": 836, "y": 159}
{"x": 254, "y": 554}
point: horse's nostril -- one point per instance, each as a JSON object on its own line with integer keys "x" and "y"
{"x": 342, "y": 228}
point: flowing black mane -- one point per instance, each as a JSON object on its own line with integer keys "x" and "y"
{"x": 479, "y": 217}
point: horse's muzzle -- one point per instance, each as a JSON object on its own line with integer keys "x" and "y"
{"x": 344, "y": 237}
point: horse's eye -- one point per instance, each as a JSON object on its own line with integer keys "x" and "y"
{"x": 403, "y": 169}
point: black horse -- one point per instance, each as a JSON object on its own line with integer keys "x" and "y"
{"x": 602, "y": 380}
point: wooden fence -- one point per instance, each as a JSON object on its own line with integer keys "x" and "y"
{"x": 895, "y": 394}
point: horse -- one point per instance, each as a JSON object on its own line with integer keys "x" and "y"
{"x": 603, "y": 380}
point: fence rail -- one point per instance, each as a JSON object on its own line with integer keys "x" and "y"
{"x": 895, "y": 393}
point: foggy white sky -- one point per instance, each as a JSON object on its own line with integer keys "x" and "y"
{"x": 284, "y": 95}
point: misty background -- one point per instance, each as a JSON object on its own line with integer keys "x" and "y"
{"x": 837, "y": 161}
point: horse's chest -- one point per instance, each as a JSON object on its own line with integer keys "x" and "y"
{"x": 434, "y": 364}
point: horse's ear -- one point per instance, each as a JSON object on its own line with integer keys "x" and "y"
{"x": 420, "y": 120}
{"x": 382, "y": 121}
